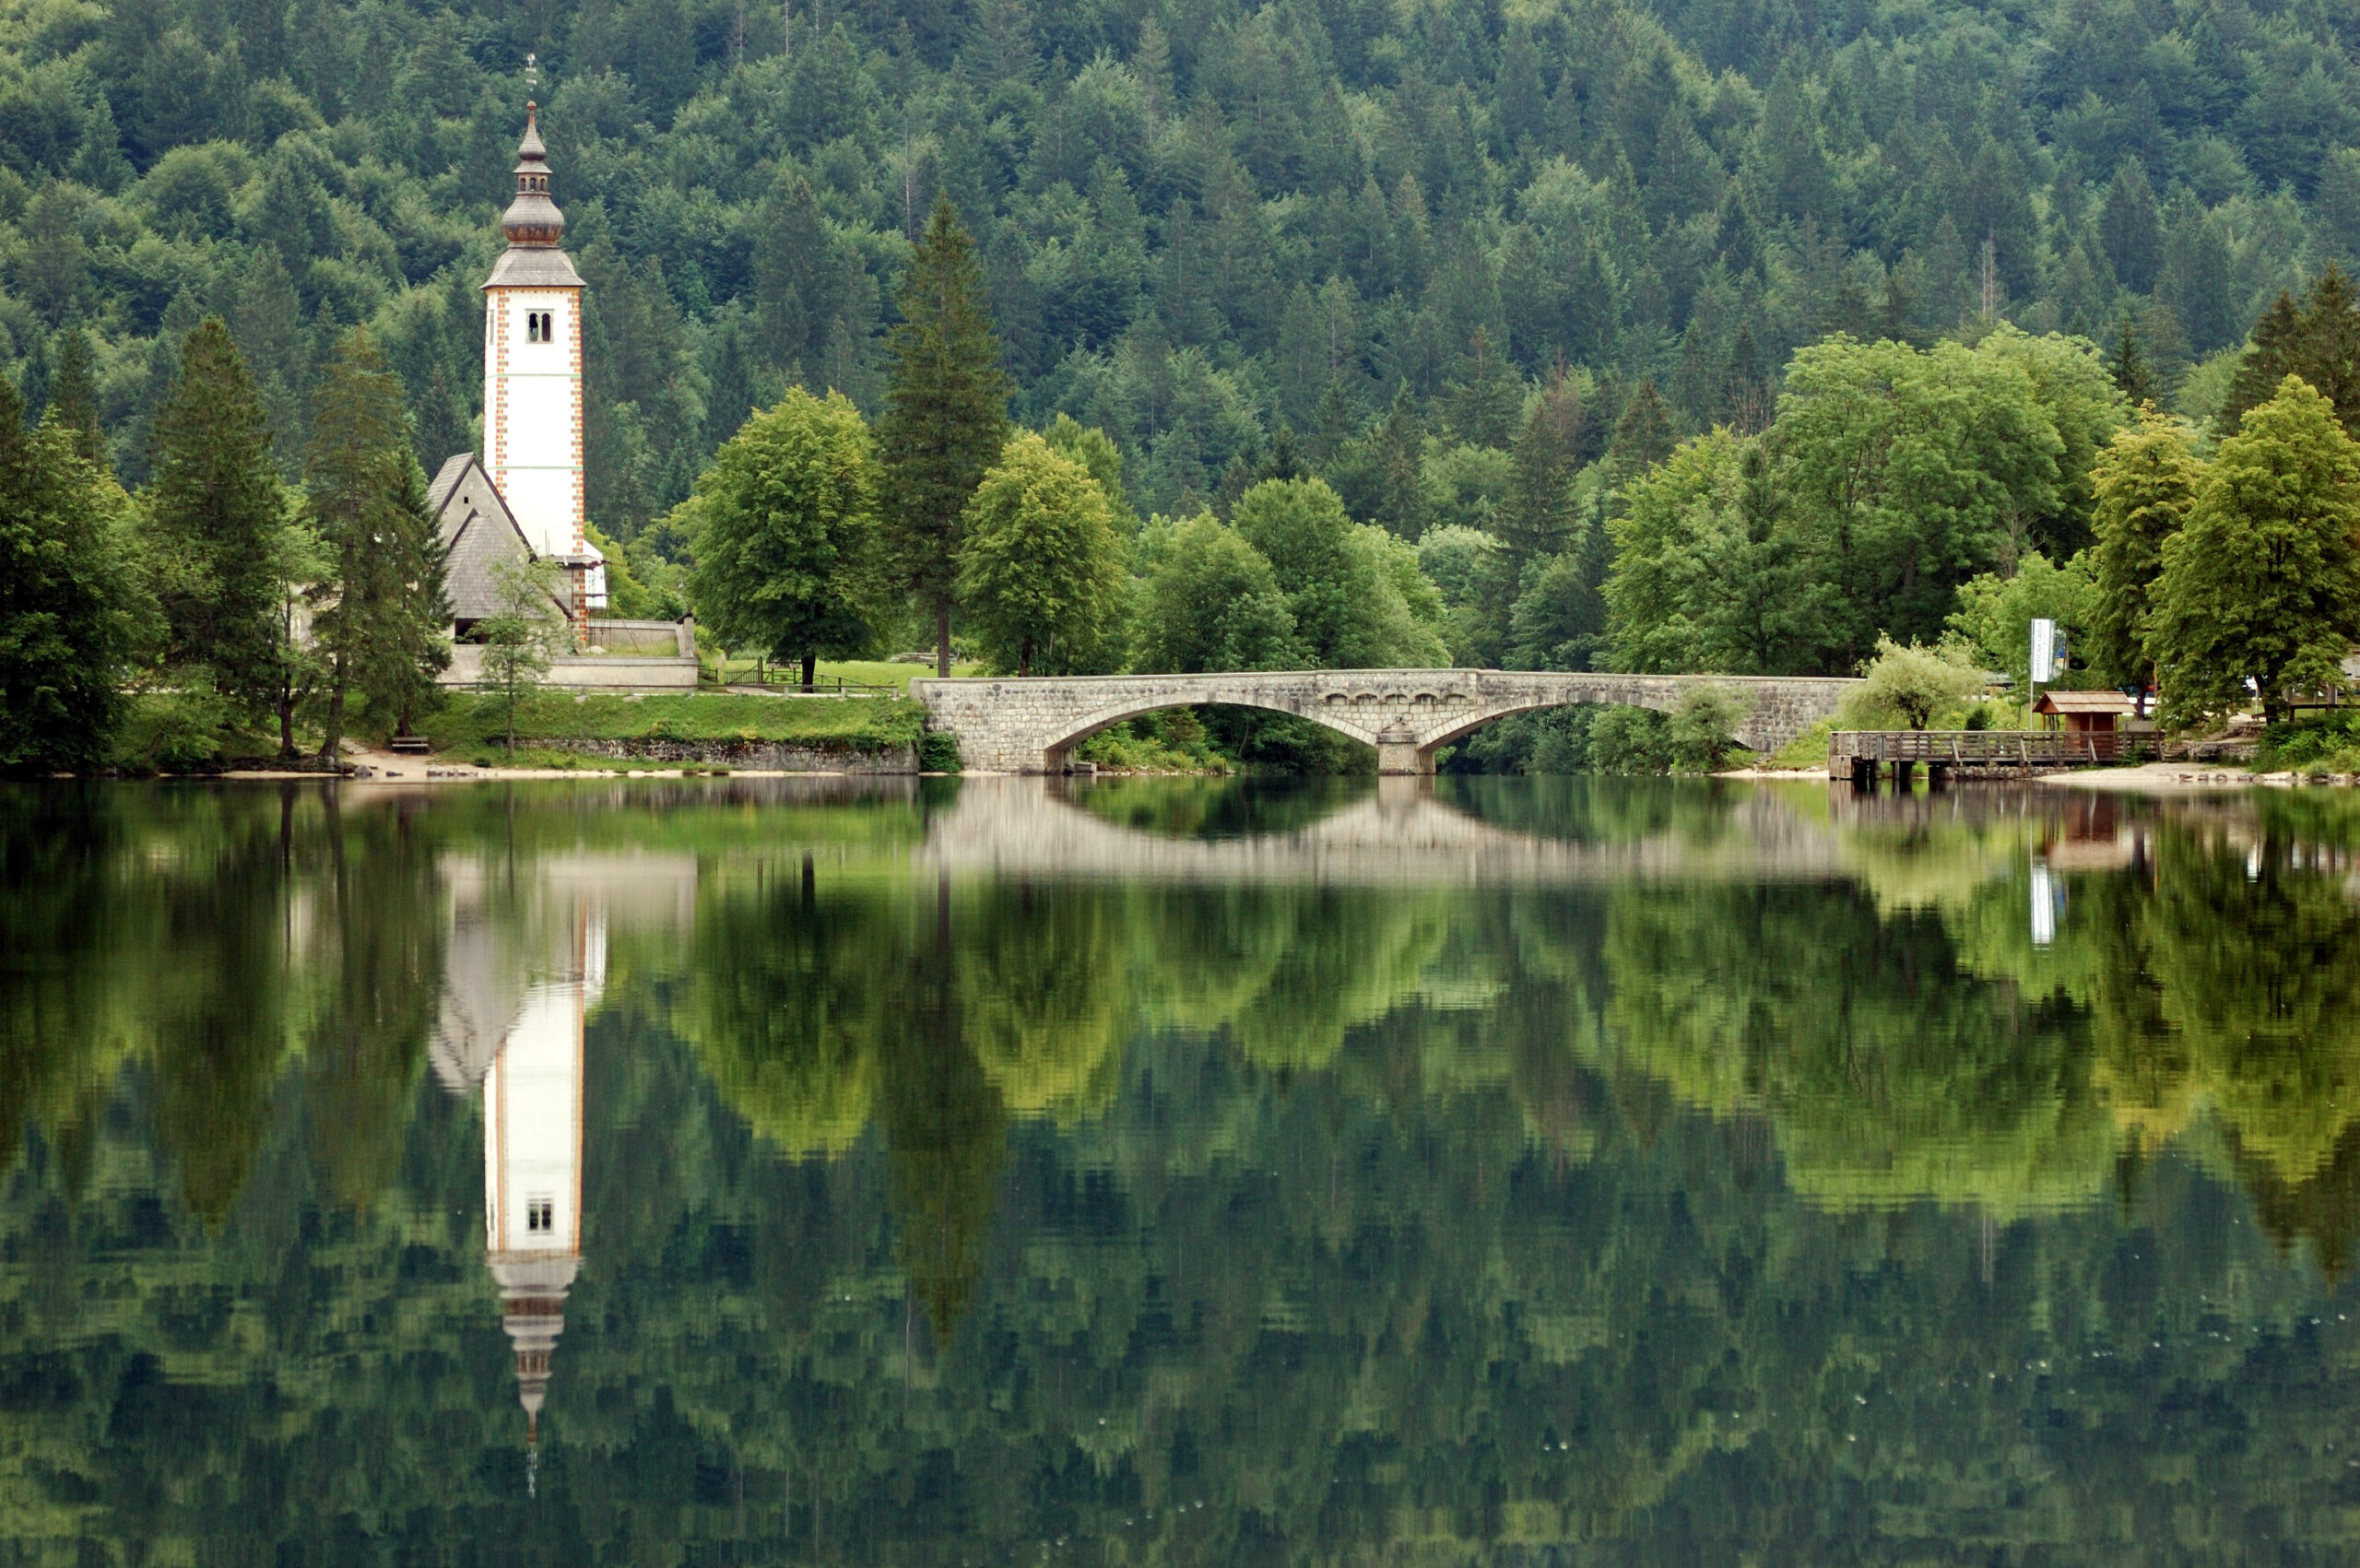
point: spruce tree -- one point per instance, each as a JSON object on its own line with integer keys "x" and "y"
{"x": 1485, "y": 396}
{"x": 1642, "y": 437}
{"x": 74, "y": 401}
{"x": 218, "y": 518}
{"x": 1538, "y": 518}
{"x": 2132, "y": 373}
{"x": 382, "y": 610}
{"x": 2320, "y": 342}
{"x": 946, "y": 416}
{"x": 70, "y": 602}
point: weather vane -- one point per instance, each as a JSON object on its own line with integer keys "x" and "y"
{"x": 532, "y": 70}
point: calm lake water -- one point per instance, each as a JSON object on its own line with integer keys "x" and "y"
{"x": 1524, "y": 1171}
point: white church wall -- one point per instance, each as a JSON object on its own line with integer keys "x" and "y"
{"x": 533, "y": 412}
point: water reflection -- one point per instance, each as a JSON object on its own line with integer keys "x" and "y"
{"x": 1503, "y": 1168}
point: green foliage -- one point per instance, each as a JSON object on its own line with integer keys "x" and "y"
{"x": 381, "y": 616}
{"x": 2318, "y": 342}
{"x": 1096, "y": 451}
{"x": 945, "y": 415}
{"x": 1209, "y": 601}
{"x": 1702, "y": 732}
{"x": 1912, "y": 471}
{"x": 1353, "y": 589}
{"x": 1908, "y": 683}
{"x": 521, "y": 637}
{"x": 938, "y": 752}
{"x": 1630, "y": 741}
{"x": 217, "y": 529}
{"x": 1709, "y": 573}
{"x": 640, "y": 584}
{"x": 1040, "y": 569}
{"x": 73, "y": 605}
{"x": 2146, "y": 481}
{"x": 2263, "y": 582}
{"x": 785, "y": 532}
{"x": 1995, "y": 614}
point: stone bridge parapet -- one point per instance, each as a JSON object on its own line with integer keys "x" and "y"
{"x": 1033, "y": 725}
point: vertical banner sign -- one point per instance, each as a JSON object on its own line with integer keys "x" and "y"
{"x": 2044, "y": 650}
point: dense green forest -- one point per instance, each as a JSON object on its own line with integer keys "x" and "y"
{"x": 1199, "y": 223}
{"x": 921, "y": 1218}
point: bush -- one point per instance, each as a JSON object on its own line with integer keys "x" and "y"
{"x": 1908, "y": 685}
{"x": 1702, "y": 732}
{"x": 1631, "y": 740}
{"x": 2299, "y": 743}
{"x": 171, "y": 731}
{"x": 938, "y": 751}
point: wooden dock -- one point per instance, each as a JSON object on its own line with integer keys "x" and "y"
{"x": 1863, "y": 755}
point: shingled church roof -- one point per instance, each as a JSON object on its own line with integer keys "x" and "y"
{"x": 477, "y": 531}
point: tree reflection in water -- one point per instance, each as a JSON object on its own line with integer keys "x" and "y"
{"x": 1723, "y": 1168}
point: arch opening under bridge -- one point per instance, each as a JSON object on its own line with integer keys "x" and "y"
{"x": 1033, "y": 725}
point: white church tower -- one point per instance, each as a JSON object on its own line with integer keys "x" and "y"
{"x": 532, "y": 1160}
{"x": 532, "y": 378}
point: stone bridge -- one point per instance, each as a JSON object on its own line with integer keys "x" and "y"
{"x": 1031, "y": 727}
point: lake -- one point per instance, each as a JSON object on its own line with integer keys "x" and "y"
{"x": 1526, "y": 1171}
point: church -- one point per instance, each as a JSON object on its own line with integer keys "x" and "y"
{"x": 524, "y": 497}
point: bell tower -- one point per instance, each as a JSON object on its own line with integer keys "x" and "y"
{"x": 532, "y": 377}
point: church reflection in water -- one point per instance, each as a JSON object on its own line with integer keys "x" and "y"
{"x": 527, "y": 965}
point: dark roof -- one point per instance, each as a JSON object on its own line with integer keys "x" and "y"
{"x": 532, "y": 266}
{"x": 477, "y": 531}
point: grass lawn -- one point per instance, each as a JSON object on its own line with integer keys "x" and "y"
{"x": 471, "y": 723}
{"x": 866, "y": 672}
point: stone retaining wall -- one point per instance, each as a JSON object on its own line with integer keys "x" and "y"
{"x": 752, "y": 756}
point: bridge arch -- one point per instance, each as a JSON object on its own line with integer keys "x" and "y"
{"x": 1058, "y": 749}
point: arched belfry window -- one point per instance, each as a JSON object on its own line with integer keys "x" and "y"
{"x": 540, "y": 326}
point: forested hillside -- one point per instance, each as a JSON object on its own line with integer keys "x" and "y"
{"x": 1201, "y": 223}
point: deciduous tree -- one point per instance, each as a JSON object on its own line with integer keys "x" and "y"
{"x": 787, "y": 533}
{"x": 2145, "y": 482}
{"x": 71, "y": 602}
{"x": 2263, "y": 583}
{"x": 1040, "y": 571}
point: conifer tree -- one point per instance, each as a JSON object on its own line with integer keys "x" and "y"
{"x": 1396, "y": 449}
{"x": 2132, "y": 373}
{"x": 2263, "y": 583}
{"x": 218, "y": 518}
{"x": 2146, "y": 481}
{"x": 382, "y": 610}
{"x": 1643, "y": 435}
{"x": 2320, "y": 342}
{"x": 946, "y": 416}
{"x": 1484, "y": 397}
{"x": 1539, "y": 517}
{"x": 74, "y": 401}
{"x": 70, "y": 602}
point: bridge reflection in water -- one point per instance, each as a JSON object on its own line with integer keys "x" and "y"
{"x": 1399, "y": 833}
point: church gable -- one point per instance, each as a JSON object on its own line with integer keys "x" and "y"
{"x": 478, "y": 533}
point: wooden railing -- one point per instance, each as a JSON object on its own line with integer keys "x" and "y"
{"x": 1984, "y": 747}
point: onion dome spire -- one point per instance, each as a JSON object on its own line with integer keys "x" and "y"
{"x": 533, "y": 218}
